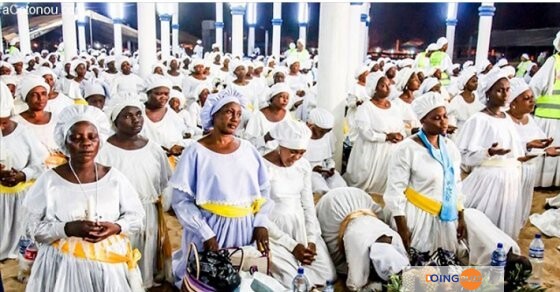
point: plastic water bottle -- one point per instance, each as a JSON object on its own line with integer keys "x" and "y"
{"x": 300, "y": 283}
{"x": 26, "y": 256}
{"x": 329, "y": 287}
{"x": 536, "y": 256}
{"x": 498, "y": 264}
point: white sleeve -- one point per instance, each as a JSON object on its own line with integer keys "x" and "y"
{"x": 364, "y": 129}
{"x": 132, "y": 215}
{"x": 189, "y": 214}
{"x": 310, "y": 214}
{"x": 398, "y": 173}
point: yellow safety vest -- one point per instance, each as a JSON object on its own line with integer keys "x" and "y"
{"x": 548, "y": 106}
{"x": 522, "y": 69}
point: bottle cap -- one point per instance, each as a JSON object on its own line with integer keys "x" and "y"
{"x": 538, "y": 235}
{"x": 500, "y": 245}
{"x": 300, "y": 270}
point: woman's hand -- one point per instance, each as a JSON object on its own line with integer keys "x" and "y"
{"x": 105, "y": 230}
{"x": 260, "y": 236}
{"x": 495, "y": 150}
{"x": 394, "y": 137}
{"x": 176, "y": 150}
{"x": 80, "y": 228}
{"x": 211, "y": 244}
{"x": 539, "y": 143}
{"x": 304, "y": 255}
{"x": 403, "y": 231}
{"x": 318, "y": 169}
{"x": 461, "y": 228}
{"x": 552, "y": 151}
{"x": 526, "y": 158}
{"x": 11, "y": 177}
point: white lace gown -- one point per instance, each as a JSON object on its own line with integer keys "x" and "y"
{"x": 293, "y": 221}
{"x": 51, "y": 203}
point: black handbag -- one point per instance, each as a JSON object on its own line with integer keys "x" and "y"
{"x": 216, "y": 270}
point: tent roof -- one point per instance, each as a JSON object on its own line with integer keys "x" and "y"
{"x": 540, "y": 37}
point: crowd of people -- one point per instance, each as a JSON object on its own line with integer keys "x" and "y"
{"x": 92, "y": 155}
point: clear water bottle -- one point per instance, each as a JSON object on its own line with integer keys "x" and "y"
{"x": 498, "y": 264}
{"x": 24, "y": 265}
{"x": 536, "y": 256}
{"x": 329, "y": 287}
{"x": 300, "y": 283}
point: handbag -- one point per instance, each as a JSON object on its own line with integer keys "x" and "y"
{"x": 249, "y": 259}
{"x": 210, "y": 271}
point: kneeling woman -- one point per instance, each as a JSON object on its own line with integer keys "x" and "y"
{"x": 81, "y": 214}
{"x": 294, "y": 229}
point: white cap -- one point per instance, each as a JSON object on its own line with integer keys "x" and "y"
{"x": 442, "y": 41}
{"x": 291, "y": 134}
{"x": 321, "y": 118}
{"x": 432, "y": 47}
{"x": 517, "y": 87}
{"x": 156, "y": 80}
{"x": 525, "y": 56}
{"x": 424, "y": 104}
{"x": 14, "y": 41}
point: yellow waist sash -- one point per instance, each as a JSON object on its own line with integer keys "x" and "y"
{"x": 425, "y": 203}
{"x": 80, "y": 101}
{"x": 17, "y": 188}
{"x": 344, "y": 224}
{"x": 99, "y": 252}
{"x": 234, "y": 211}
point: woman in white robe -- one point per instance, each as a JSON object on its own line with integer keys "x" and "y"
{"x": 145, "y": 165}
{"x": 220, "y": 202}
{"x": 78, "y": 70}
{"x": 380, "y": 128}
{"x": 295, "y": 236}
{"x": 21, "y": 162}
{"x": 57, "y": 100}
{"x": 466, "y": 103}
{"x": 125, "y": 84}
{"x": 357, "y": 238}
{"x": 490, "y": 144}
{"x": 262, "y": 121}
{"x": 407, "y": 84}
{"x": 195, "y": 78}
{"x": 356, "y": 97}
{"x": 81, "y": 214}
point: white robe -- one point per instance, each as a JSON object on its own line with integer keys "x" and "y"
{"x": 459, "y": 111}
{"x": 320, "y": 153}
{"x": 51, "y": 203}
{"x": 166, "y": 132}
{"x": 494, "y": 185}
{"x": 126, "y": 86}
{"x": 45, "y": 133}
{"x": 293, "y": 221}
{"x": 148, "y": 170}
{"x": 370, "y": 154}
{"x": 59, "y": 103}
{"x": 357, "y": 93}
{"x": 256, "y": 129}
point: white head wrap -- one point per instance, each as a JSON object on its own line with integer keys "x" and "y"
{"x": 279, "y": 88}
{"x": 386, "y": 260}
{"x": 491, "y": 79}
{"x": 198, "y": 90}
{"x": 28, "y": 83}
{"x": 407, "y": 63}
{"x": 525, "y": 56}
{"x": 196, "y": 62}
{"x": 179, "y": 63}
{"x": 14, "y": 41}
{"x": 432, "y": 47}
{"x": 485, "y": 63}
{"x": 292, "y": 46}
{"x": 9, "y": 79}
{"x": 465, "y": 76}
{"x": 502, "y": 62}
{"x": 517, "y": 87}
{"x": 117, "y": 108}
{"x": 403, "y": 77}
{"x": 428, "y": 84}
{"x": 467, "y": 64}
{"x": 156, "y": 80}
{"x": 17, "y": 58}
{"x": 73, "y": 114}
{"x": 158, "y": 65}
{"x": 258, "y": 64}
{"x": 556, "y": 42}
{"x": 216, "y": 101}
{"x": 321, "y": 118}
{"x": 234, "y": 64}
{"x": 290, "y": 61}
{"x": 389, "y": 65}
{"x": 371, "y": 82}
{"x": 94, "y": 87}
{"x": 508, "y": 70}
{"x": 361, "y": 70}
{"x": 425, "y": 103}
{"x": 291, "y": 134}
{"x": 178, "y": 95}
{"x": 442, "y": 41}
{"x": 6, "y": 101}
{"x": 42, "y": 71}
{"x": 74, "y": 64}
{"x": 120, "y": 60}
{"x": 8, "y": 65}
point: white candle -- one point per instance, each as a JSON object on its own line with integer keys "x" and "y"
{"x": 91, "y": 208}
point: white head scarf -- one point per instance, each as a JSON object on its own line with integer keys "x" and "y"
{"x": 428, "y": 84}
{"x": 556, "y": 42}
{"x": 291, "y": 134}
{"x": 465, "y": 76}
{"x": 156, "y": 80}
{"x": 73, "y": 114}
{"x": 6, "y": 101}
{"x": 372, "y": 81}
{"x": 321, "y": 118}
{"x": 178, "y": 95}
{"x": 483, "y": 65}
{"x": 236, "y": 63}
{"x": 425, "y": 103}
{"x": 158, "y": 65}
{"x": 94, "y": 87}
{"x": 517, "y": 87}
{"x": 279, "y": 88}
{"x": 442, "y": 41}
{"x": 119, "y": 61}
{"x": 432, "y": 47}
{"x": 361, "y": 70}
{"x": 525, "y": 56}
{"x": 467, "y": 64}
{"x": 196, "y": 62}
{"x": 216, "y": 101}
{"x": 491, "y": 79}
{"x": 508, "y": 70}
{"x": 42, "y": 71}
{"x": 290, "y": 61}
{"x": 386, "y": 260}
{"x": 502, "y": 62}
{"x": 28, "y": 83}
{"x": 198, "y": 90}
{"x": 117, "y": 108}
{"x": 403, "y": 77}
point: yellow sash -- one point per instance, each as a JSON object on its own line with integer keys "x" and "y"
{"x": 234, "y": 211}
{"x": 80, "y": 101}
{"x": 172, "y": 162}
{"x": 425, "y": 203}
{"x": 17, "y": 188}
{"x": 82, "y": 249}
{"x": 342, "y": 229}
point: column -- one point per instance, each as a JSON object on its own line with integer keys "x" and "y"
{"x": 451, "y": 23}
{"x": 355, "y": 42}
{"x": 251, "y": 23}
{"x": 147, "y": 37}
{"x": 303, "y": 18}
{"x": 220, "y": 25}
{"x": 175, "y": 29}
{"x": 68, "y": 30}
{"x": 1, "y": 36}
{"x": 117, "y": 14}
{"x": 365, "y": 33}
{"x": 266, "y": 43}
{"x": 237, "y": 12}
{"x": 81, "y": 12}
{"x": 23, "y": 28}
{"x": 164, "y": 10}
{"x": 333, "y": 41}
{"x": 276, "y": 28}
{"x": 486, "y": 12}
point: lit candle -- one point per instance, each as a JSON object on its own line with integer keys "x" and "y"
{"x": 91, "y": 208}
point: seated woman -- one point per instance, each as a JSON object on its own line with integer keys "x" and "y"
{"x": 424, "y": 194}
{"x": 294, "y": 231}
{"x": 358, "y": 239}
{"x": 320, "y": 152}
{"x": 81, "y": 214}
{"x": 219, "y": 201}
{"x": 262, "y": 121}
{"x": 145, "y": 165}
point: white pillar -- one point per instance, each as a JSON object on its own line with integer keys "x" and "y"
{"x": 333, "y": 41}
{"x": 266, "y": 43}
{"x": 146, "y": 37}
{"x": 165, "y": 19}
{"x": 355, "y": 41}
{"x": 251, "y": 39}
{"x": 276, "y": 28}
{"x": 82, "y": 36}
{"x": 451, "y": 23}
{"x": 1, "y": 37}
{"x": 117, "y": 34}
{"x": 365, "y": 33}
{"x": 237, "y": 13}
{"x": 303, "y": 18}
{"x": 303, "y": 33}
{"x": 486, "y": 12}
{"x": 68, "y": 30}
{"x": 23, "y": 28}
{"x": 220, "y": 25}
{"x": 175, "y": 29}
